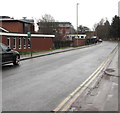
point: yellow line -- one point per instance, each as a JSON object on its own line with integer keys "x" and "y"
{"x": 80, "y": 92}
{"x": 94, "y": 74}
{"x": 77, "y": 89}
{"x": 61, "y": 104}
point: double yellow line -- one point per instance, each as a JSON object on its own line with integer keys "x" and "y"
{"x": 65, "y": 104}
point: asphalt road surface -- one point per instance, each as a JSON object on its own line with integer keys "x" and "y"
{"x": 40, "y": 84}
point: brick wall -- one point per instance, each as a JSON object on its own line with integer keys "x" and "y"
{"x": 13, "y": 26}
{"x": 38, "y": 43}
{"x": 17, "y": 27}
{"x": 42, "y": 44}
{"x": 78, "y": 42}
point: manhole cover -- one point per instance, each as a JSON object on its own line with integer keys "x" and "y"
{"x": 109, "y": 70}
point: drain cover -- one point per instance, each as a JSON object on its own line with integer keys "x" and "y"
{"x": 109, "y": 70}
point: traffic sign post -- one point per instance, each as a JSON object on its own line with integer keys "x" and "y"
{"x": 29, "y": 36}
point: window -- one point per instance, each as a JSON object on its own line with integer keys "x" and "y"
{"x": 25, "y": 28}
{"x": 4, "y": 47}
{"x": 60, "y": 31}
{"x": 8, "y": 42}
{"x": 67, "y": 31}
{"x": 20, "y": 43}
{"x": 14, "y": 43}
{"x": 24, "y": 43}
{"x": 29, "y": 43}
{"x": 82, "y": 36}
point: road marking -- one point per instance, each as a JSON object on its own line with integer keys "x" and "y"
{"x": 78, "y": 91}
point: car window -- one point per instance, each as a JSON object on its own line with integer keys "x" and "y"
{"x": 4, "y": 47}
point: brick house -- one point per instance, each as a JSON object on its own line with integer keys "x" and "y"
{"x": 17, "y": 26}
{"x": 21, "y": 42}
{"x": 64, "y": 28}
{"x": 14, "y": 34}
{"x": 60, "y": 29}
{"x": 78, "y": 39}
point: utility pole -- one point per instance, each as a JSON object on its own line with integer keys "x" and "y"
{"x": 77, "y": 20}
{"x": 119, "y": 8}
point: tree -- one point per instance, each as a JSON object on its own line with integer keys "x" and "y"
{"x": 46, "y": 24}
{"x": 107, "y": 30}
{"x": 115, "y": 28}
{"x": 47, "y": 18}
{"x": 83, "y": 29}
{"x": 102, "y": 29}
{"x": 99, "y": 30}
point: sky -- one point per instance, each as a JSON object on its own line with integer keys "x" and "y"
{"x": 90, "y": 12}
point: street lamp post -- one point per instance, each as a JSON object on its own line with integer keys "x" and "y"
{"x": 77, "y": 20}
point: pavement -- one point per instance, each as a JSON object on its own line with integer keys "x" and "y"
{"x": 103, "y": 94}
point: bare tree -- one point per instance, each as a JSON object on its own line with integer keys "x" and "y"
{"x": 83, "y": 29}
{"x": 102, "y": 29}
{"x": 47, "y": 18}
{"x": 46, "y": 24}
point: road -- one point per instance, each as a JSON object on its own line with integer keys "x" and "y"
{"x": 40, "y": 84}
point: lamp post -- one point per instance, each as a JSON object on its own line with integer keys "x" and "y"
{"x": 77, "y": 20}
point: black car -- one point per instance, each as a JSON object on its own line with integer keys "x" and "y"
{"x": 8, "y": 55}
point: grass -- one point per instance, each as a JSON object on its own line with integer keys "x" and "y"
{"x": 34, "y": 52}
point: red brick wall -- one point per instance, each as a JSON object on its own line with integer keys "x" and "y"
{"x": 17, "y": 27}
{"x": 63, "y": 29}
{"x": 13, "y": 26}
{"x": 78, "y": 42}
{"x": 42, "y": 44}
{"x": 37, "y": 43}
{"x": 4, "y": 40}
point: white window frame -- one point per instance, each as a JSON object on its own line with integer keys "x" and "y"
{"x": 24, "y": 43}
{"x": 20, "y": 43}
{"x": 9, "y": 45}
{"x": 14, "y": 43}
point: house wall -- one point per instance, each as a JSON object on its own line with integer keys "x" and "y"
{"x": 42, "y": 44}
{"x": 17, "y": 27}
{"x": 13, "y": 26}
{"x": 64, "y": 31}
{"x": 78, "y": 42}
{"x": 38, "y": 43}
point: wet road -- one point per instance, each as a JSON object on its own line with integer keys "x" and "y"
{"x": 40, "y": 84}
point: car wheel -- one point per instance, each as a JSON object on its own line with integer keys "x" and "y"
{"x": 17, "y": 60}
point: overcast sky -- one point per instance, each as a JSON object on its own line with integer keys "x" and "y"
{"x": 90, "y": 11}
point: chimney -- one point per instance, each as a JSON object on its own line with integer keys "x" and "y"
{"x": 24, "y": 18}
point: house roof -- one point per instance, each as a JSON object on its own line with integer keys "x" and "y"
{"x": 15, "y": 20}
{"x": 25, "y": 35}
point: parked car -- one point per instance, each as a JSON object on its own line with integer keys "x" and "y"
{"x": 99, "y": 40}
{"x": 8, "y": 55}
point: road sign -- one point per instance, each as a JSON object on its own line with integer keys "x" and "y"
{"x": 29, "y": 34}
